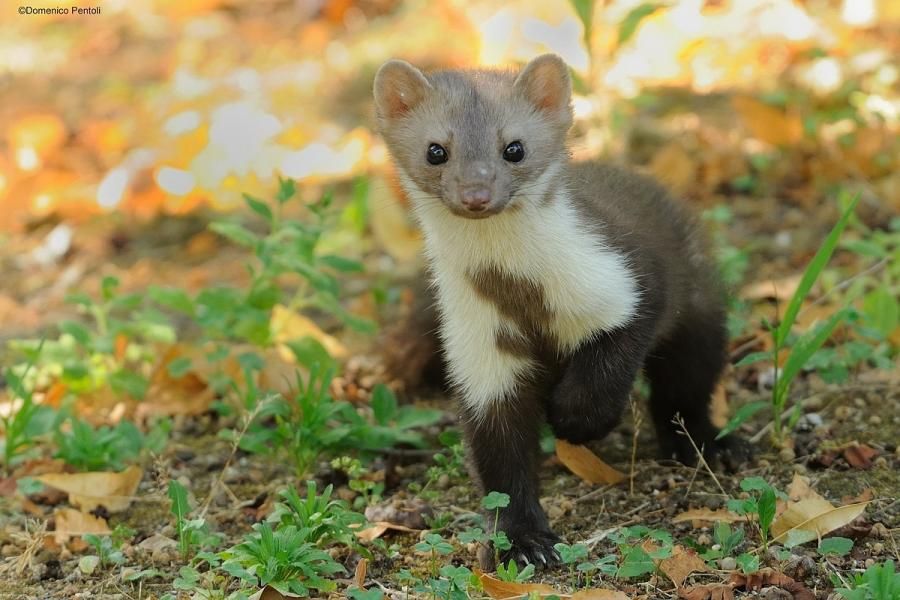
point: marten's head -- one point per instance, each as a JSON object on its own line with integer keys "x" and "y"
{"x": 478, "y": 142}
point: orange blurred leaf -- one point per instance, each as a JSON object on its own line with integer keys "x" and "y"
{"x": 586, "y": 464}
{"x": 74, "y": 523}
{"x": 768, "y": 123}
{"x": 501, "y": 590}
{"x": 87, "y": 491}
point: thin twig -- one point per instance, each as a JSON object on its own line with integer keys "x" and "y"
{"x": 680, "y": 422}
{"x": 638, "y": 420}
{"x": 212, "y": 489}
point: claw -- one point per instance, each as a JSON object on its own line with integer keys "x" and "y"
{"x": 524, "y": 559}
{"x": 540, "y": 555}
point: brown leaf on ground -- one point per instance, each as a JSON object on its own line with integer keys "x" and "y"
{"x": 288, "y": 325}
{"x": 860, "y": 456}
{"x": 74, "y": 523}
{"x": 771, "y": 289}
{"x": 702, "y": 517}
{"x": 599, "y": 594}
{"x": 359, "y": 574}
{"x": 718, "y": 409}
{"x": 681, "y": 564}
{"x": 673, "y": 166}
{"x": 808, "y": 516}
{"x": 376, "y": 530}
{"x": 391, "y": 224}
{"x": 87, "y": 491}
{"x": 714, "y": 591}
{"x": 586, "y": 464}
{"x": 768, "y": 577}
{"x": 168, "y": 395}
{"x": 503, "y": 590}
{"x": 768, "y": 123}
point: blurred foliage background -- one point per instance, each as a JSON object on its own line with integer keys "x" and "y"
{"x": 159, "y": 108}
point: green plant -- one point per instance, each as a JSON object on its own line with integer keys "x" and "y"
{"x": 24, "y": 426}
{"x": 879, "y": 582}
{"x": 288, "y": 248}
{"x": 727, "y": 540}
{"x": 641, "y": 548}
{"x": 497, "y": 539}
{"x": 571, "y": 556}
{"x": 106, "y": 548}
{"x": 313, "y": 423}
{"x": 358, "y": 594}
{"x": 434, "y": 545}
{"x": 761, "y": 501}
{"x": 90, "y": 449}
{"x": 329, "y": 521}
{"x": 605, "y": 565}
{"x": 801, "y": 349}
{"x": 835, "y": 546}
{"x": 510, "y": 572}
{"x": 286, "y": 558}
{"x": 369, "y": 491}
{"x": 192, "y": 533}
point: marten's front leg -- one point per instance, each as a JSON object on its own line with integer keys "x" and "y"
{"x": 588, "y": 401}
{"x": 503, "y": 452}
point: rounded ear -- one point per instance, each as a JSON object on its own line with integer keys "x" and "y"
{"x": 545, "y": 83}
{"x": 399, "y": 87}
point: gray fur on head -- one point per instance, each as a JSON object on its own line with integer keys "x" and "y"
{"x": 474, "y": 115}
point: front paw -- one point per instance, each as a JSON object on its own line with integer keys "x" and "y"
{"x": 528, "y": 547}
{"x": 572, "y": 427}
{"x": 729, "y": 453}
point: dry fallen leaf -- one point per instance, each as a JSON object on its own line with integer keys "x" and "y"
{"x": 586, "y": 464}
{"x": 860, "y": 456}
{"x": 682, "y": 563}
{"x": 768, "y": 577}
{"x": 598, "y": 594}
{"x": 74, "y": 523}
{"x": 87, "y": 491}
{"x": 288, "y": 325}
{"x": 768, "y": 123}
{"x": 808, "y": 516}
{"x": 501, "y": 590}
{"x": 701, "y": 517}
{"x": 359, "y": 575}
{"x": 714, "y": 591}
{"x": 771, "y": 289}
{"x": 376, "y": 530}
{"x": 390, "y": 222}
{"x": 718, "y": 408}
{"x": 811, "y": 519}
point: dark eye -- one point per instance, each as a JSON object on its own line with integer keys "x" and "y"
{"x": 514, "y": 152}
{"x": 436, "y": 154}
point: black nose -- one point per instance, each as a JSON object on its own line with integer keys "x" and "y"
{"x": 475, "y": 198}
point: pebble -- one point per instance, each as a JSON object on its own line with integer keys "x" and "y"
{"x": 814, "y": 403}
{"x": 879, "y": 530}
{"x": 843, "y": 412}
{"x": 787, "y": 454}
{"x": 877, "y": 548}
{"x": 443, "y": 482}
{"x": 880, "y": 462}
{"x": 875, "y": 420}
{"x": 703, "y": 539}
{"x": 728, "y": 564}
{"x": 870, "y": 562}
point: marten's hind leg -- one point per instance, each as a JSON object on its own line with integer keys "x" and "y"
{"x": 683, "y": 371}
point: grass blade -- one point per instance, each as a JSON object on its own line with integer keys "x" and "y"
{"x": 812, "y": 273}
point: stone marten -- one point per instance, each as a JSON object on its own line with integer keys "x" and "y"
{"x": 556, "y": 282}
